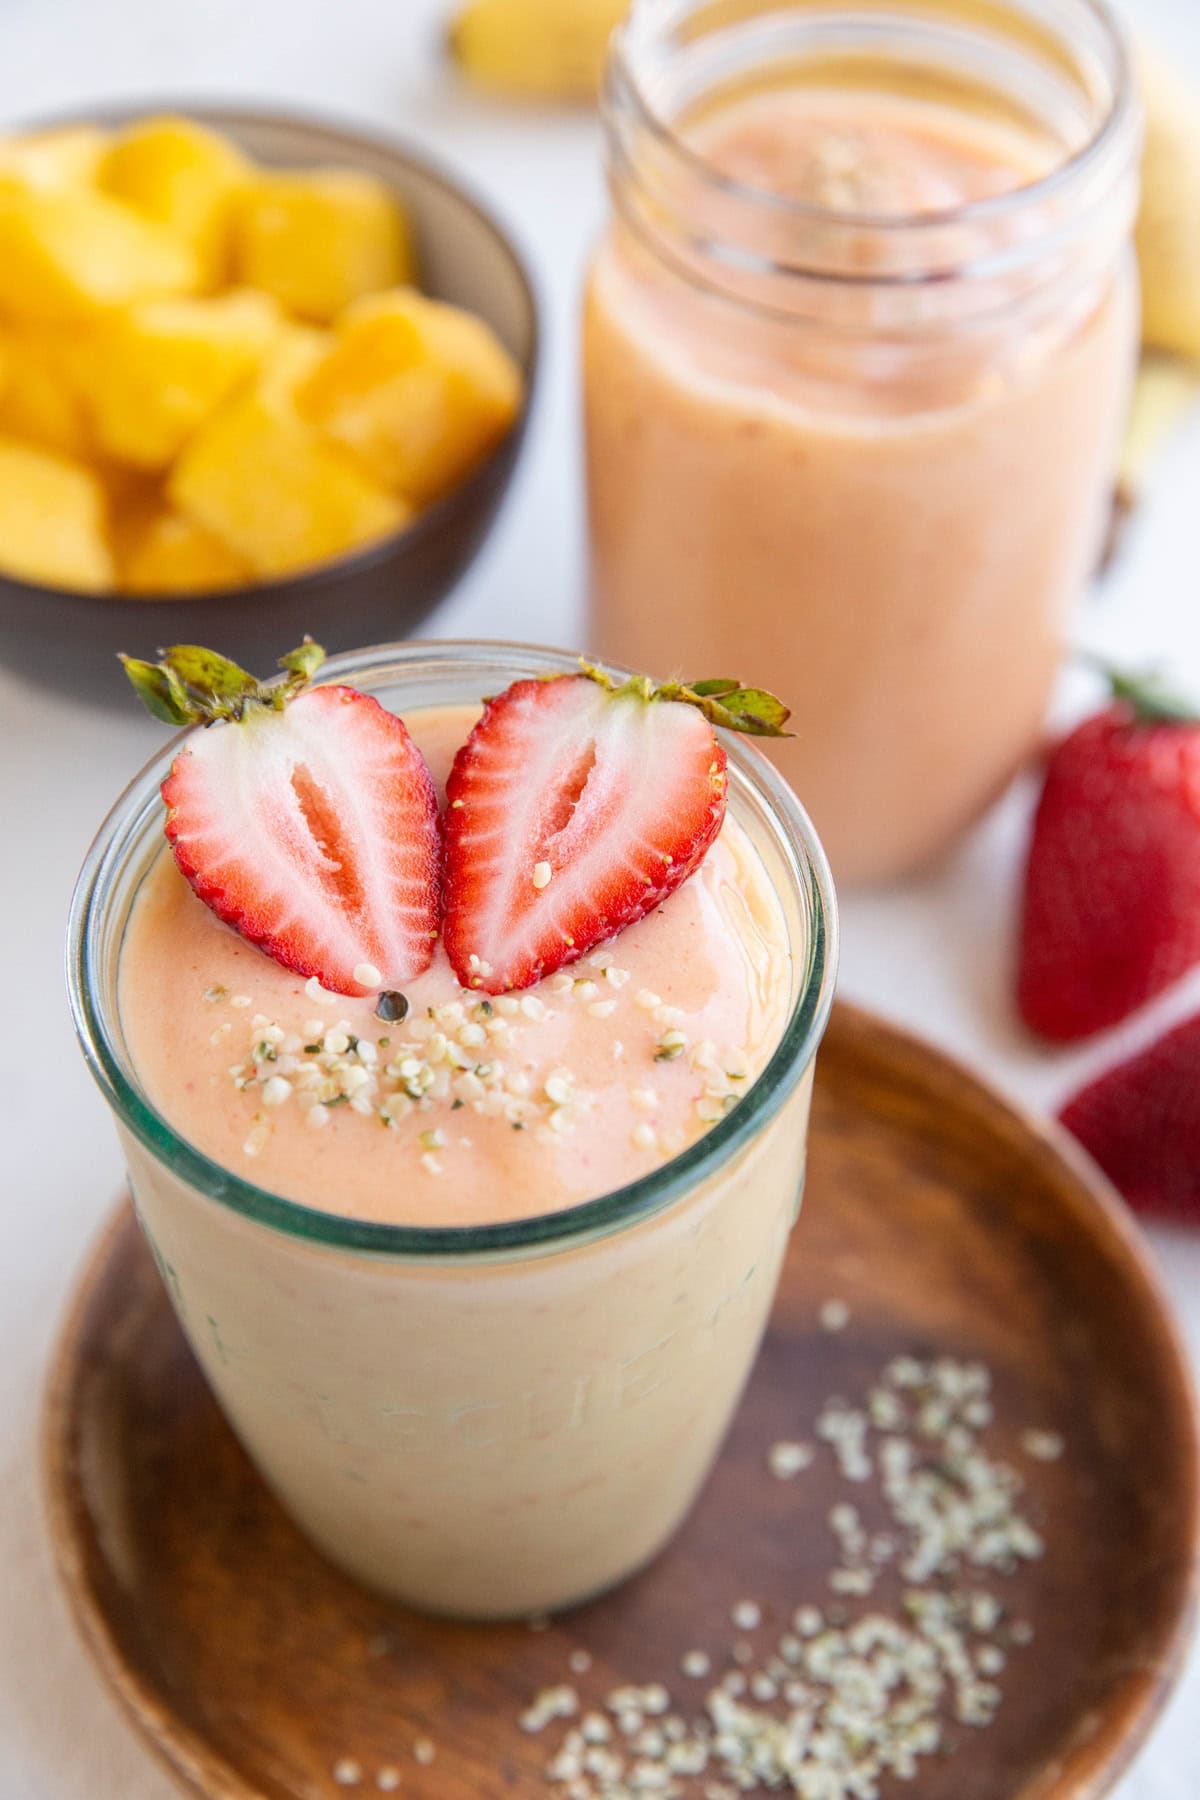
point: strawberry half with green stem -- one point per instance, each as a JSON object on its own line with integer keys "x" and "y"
{"x": 304, "y": 817}
{"x": 577, "y": 804}
{"x": 1111, "y": 910}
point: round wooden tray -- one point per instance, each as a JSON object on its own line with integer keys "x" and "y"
{"x": 948, "y": 1223}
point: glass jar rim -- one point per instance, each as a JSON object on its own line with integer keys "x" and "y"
{"x": 138, "y": 811}
{"x": 1119, "y": 122}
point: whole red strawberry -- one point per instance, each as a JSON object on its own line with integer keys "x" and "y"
{"x": 1141, "y": 1122}
{"x": 1111, "y": 911}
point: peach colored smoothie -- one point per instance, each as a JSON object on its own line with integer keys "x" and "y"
{"x": 889, "y": 495}
{"x": 511, "y": 1429}
{"x": 490, "y": 1108}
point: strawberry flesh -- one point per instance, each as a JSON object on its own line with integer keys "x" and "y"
{"x": 572, "y": 811}
{"x": 313, "y": 831}
{"x": 1141, "y": 1122}
{"x": 1111, "y": 912}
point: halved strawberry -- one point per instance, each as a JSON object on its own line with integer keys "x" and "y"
{"x": 576, "y": 805}
{"x": 307, "y": 821}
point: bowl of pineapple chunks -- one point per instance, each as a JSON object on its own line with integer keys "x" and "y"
{"x": 258, "y": 375}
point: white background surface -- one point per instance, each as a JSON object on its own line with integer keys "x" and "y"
{"x": 934, "y": 954}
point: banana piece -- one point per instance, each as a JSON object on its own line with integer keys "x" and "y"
{"x": 1164, "y": 392}
{"x": 1168, "y": 228}
{"x": 535, "y": 49}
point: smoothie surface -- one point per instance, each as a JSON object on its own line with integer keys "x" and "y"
{"x": 851, "y": 151}
{"x": 467, "y": 1110}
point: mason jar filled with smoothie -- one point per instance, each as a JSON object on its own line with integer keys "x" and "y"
{"x": 458, "y": 1015}
{"x": 857, "y": 351}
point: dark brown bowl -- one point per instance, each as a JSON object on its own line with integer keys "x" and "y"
{"x": 69, "y": 640}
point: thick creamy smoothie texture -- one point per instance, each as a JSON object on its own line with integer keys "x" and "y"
{"x": 467, "y": 1110}
{"x": 876, "y": 153}
{"x": 873, "y": 505}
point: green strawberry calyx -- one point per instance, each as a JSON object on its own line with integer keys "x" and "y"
{"x": 750, "y": 710}
{"x": 189, "y": 685}
{"x": 1149, "y": 695}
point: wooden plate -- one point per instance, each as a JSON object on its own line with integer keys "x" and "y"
{"x": 946, "y": 1221}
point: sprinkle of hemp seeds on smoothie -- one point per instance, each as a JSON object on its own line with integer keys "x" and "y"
{"x": 468, "y": 1052}
{"x": 838, "y": 1701}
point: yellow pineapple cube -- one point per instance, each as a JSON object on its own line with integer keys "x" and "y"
{"x": 153, "y": 373}
{"x": 417, "y": 391}
{"x": 184, "y": 177}
{"x": 52, "y": 520}
{"x": 65, "y": 156}
{"x": 38, "y": 399}
{"x": 174, "y": 555}
{"x": 68, "y": 253}
{"x": 319, "y": 239}
{"x": 264, "y": 483}
{"x": 134, "y": 500}
{"x": 289, "y": 361}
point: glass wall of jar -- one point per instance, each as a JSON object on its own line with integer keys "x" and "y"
{"x": 857, "y": 351}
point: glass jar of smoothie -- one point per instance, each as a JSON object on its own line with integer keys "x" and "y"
{"x": 857, "y": 352}
{"x": 488, "y": 1378}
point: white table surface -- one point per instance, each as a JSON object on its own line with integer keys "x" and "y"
{"x": 934, "y": 953}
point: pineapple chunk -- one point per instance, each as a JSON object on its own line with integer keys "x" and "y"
{"x": 67, "y": 156}
{"x": 260, "y": 480}
{"x": 173, "y": 555}
{"x": 152, "y": 374}
{"x": 417, "y": 391}
{"x": 52, "y": 520}
{"x": 38, "y": 400}
{"x": 184, "y": 177}
{"x": 292, "y": 357}
{"x": 67, "y": 254}
{"x": 320, "y": 239}
{"x": 134, "y": 501}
